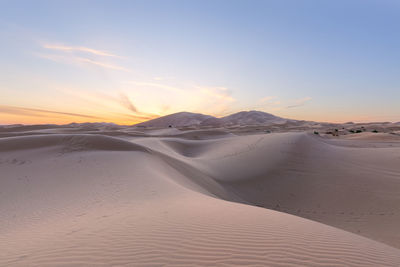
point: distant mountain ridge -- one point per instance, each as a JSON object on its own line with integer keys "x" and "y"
{"x": 177, "y": 120}
{"x": 243, "y": 118}
{"x": 252, "y": 117}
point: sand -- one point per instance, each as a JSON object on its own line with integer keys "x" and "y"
{"x": 197, "y": 198}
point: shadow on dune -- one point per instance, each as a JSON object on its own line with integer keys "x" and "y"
{"x": 354, "y": 189}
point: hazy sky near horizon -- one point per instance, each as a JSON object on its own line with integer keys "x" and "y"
{"x": 129, "y": 61}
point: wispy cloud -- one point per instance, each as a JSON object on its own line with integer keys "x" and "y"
{"x": 217, "y": 92}
{"x": 83, "y": 49}
{"x": 156, "y": 85}
{"x": 110, "y": 102}
{"x": 80, "y": 55}
{"x": 176, "y": 95}
{"x": 267, "y": 99}
{"x": 102, "y": 64}
{"x": 126, "y": 102}
{"x": 299, "y": 102}
{"x": 221, "y": 93}
{"x": 40, "y": 112}
{"x": 74, "y": 60}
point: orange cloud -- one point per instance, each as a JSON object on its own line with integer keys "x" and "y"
{"x": 41, "y": 112}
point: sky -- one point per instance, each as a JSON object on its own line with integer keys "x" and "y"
{"x": 131, "y": 61}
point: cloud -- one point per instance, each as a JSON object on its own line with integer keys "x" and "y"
{"x": 267, "y": 99}
{"x": 299, "y": 102}
{"x": 105, "y": 102}
{"x": 126, "y": 102}
{"x": 40, "y": 112}
{"x": 221, "y": 93}
{"x": 74, "y": 60}
{"x": 102, "y": 64}
{"x": 218, "y": 92}
{"x": 80, "y": 55}
{"x": 179, "y": 95}
{"x": 157, "y": 85}
{"x": 79, "y": 49}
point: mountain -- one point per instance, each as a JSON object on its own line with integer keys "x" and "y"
{"x": 177, "y": 120}
{"x": 252, "y": 117}
{"x": 188, "y": 119}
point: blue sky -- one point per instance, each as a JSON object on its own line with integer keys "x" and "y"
{"x": 128, "y": 61}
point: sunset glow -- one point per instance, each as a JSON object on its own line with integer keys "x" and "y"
{"x": 130, "y": 61}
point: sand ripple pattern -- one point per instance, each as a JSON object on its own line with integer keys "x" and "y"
{"x": 104, "y": 204}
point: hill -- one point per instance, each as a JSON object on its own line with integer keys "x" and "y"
{"x": 189, "y": 119}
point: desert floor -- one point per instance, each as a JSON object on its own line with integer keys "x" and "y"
{"x": 125, "y": 196}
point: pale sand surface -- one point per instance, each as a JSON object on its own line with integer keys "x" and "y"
{"x": 191, "y": 199}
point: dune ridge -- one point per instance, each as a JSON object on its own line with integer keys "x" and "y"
{"x": 70, "y": 141}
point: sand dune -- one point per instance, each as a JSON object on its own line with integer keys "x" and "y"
{"x": 381, "y": 137}
{"x": 96, "y": 200}
{"x": 67, "y": 142}
{"x": 352, "y": 188}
